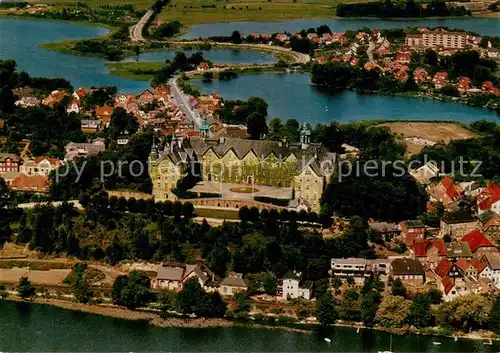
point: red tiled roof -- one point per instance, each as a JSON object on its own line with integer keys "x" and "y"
{"x": 478, "y": 265}
{"x": 35, "y": 183}
{"x": 443, "y": 267}
{"x": 420, "y": 248}
{"x": 476, "y": 239}
{"x": 489, "y": 196}
{"x": 463, "y": 264}
{"x": 53, "y": 161}
{"x": 447, "y": 284}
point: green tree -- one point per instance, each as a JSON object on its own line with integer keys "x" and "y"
{"x": 122, "y": 123}
{"x": 398, "y": 288}
{"x": 81, "y": 289}
{"x": 257, "y": 127}
{"x": 420, "y": 312}
{"x": 7, "y": 100}
{"x": 192, "y": 299}
{"x": 393, "y": 311}
{"x": 25, "y": 289}
{"x": 236, "y": 37}
{"x": 325, "y": 310}
{"x": 494, "y": 316}
{"x": 468, "y": 312}
{"x": 270, "y": 283}
{"x": 132, "y": 291}
{"x": 4, "y": 194}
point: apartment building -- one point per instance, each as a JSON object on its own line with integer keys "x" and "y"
{"x": 359, "y": 269}
{"x": 434, "y": 39}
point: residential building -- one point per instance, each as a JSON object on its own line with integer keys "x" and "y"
{"x": 359, "y": 269}
{"x": 294, "y": 287}
{"x": 429, "y": 252}
{"x": 412, "y": 231}
{"x": 403, "y": 58}
{"x": 425, "y": 173}
{"x": 232, "y": 284}
{"x": 489, "y": 199}
{"x": 104, "y": 114}
{"x": 470, "y": 188}
{"x": 464, "y": 84}
{"x": 28, "y": 102}
{"x": 478, "y": 243}
{"x": 74, "y": 149}
{"x": 492, "y": 269}
{"x": 30, "y": 183}
{"x": 458, "y": 250}
{"x": 440, "y": 79}
{"x": 90, "y": 126}
{"x": 40, "y": 166}
{"x": 173, "y": 277}
{"x": 409, "y": 271}
{"x": 420, "y": 75}
{"x": 9, "y": 162}
{"x": 75, "y": 106}
{"x": 450, "y": 269}
{"x": 437, "y": 39}
{"x": 445, "y": 191}
{"x": 386, "y": 230}
{"x": 491, "y": 228}
{"x": 457, "y": 224}
{"x": 80, "y": 93}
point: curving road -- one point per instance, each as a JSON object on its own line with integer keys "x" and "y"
{"x": 183, "y": 100}
{"x": 136, "y": 30}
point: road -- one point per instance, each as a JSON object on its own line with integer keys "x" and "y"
{"x": 298, "y": 58}
{"x": 183, "y": 101}
{"x": 136, "y": 30}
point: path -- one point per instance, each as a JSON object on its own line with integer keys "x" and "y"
{"x": 136, "y": 30}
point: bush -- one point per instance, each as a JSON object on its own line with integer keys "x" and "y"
{"x": 272, "y": 200}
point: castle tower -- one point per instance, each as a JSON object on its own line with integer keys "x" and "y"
{"x": 153, "y": 154}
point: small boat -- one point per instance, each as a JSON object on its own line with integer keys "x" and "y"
{"x": 359, "y": 329}
{"x": 436, "y": 343}
{"x": 327, "y": 339}
{"x": 455, "y": 338}
{"x": 489, "y": 343}
{"x": 390, "y": 346}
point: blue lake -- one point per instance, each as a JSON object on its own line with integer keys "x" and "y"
{"x": 216, "y": 55}
{"x": 288, "y": 95}
{"x": 485, "y": 26}
{"x": 293, "y": 96}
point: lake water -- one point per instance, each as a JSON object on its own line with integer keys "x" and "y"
{"x": 215, "y": 55}
{"x": 293, "y": 96}
{"x": 289, "y": 95}
{"x": 40, "y": 328}
{"x": 485, "y": 26}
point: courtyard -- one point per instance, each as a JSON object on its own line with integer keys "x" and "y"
{"x": 242, "y": 191}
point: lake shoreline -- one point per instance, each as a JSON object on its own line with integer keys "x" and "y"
{"x": 155, "y": 319}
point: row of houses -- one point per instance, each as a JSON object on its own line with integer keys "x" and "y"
{"x": 173, "y": 277}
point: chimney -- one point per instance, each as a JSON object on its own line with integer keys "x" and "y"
{"x": 222, "y": 140}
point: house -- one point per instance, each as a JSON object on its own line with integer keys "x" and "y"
{"x": 488, "y": 87}
{"x": 386, "y": 230}
{"x": 75, "y": 106}
{"x": 412, "y": 231}
{"x": 492, "y": 269}
{"x": 456, "y": 288}
{"x": 54, "y": 98}
{"x": 228, "y": 130}
{"x": 457, "y": 224}
{"x": 294, "y": 287}
{"x": 80, "y": 93}
{"x": 282, "y": 37}
{"x": 28, "y": 102}
{"x": 464, "y": 84}
{"x": 470, "y": 188}
{"x": 420, "y": 75}
{"x": 104, "y": 114}
{"x": 425, "y": 173}
{"x": 445, "y": 191}
{"x": 173, "y": 277}
{"x": 233, "y": 283}
{"x": 146, "y": 96}
{"x": 74, "y": 150}
{"x": 440, "y": 79}
{"x": 203, "y": 66}
{"x": 403, "y": 58}
{"x": 447, "y": 268}
{"x": 9, "y": 162}
{"x": 429, "y": 252}
{"x": 90, "y": 126}
{"x": 359, "y": 269}
{"x": 478, "y": 243}
{"x": 409, "y": 271}
{"x": 122, "y": 141}
{"x": 40, "y": 166}
{"x": 457, "y": 250}
{"x": 491, "y": 228}
{"x": 489, "y": 199}
{"x": 30, "y": 183}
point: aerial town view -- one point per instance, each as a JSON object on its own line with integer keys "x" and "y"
{"x": 249, "y": 176}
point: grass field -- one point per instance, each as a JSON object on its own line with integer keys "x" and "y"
{"x": 214, "y": 213}
{"x": 436, "y": 132}
{"x": 126, "y": 69}
{"x": 139, "y": 4}
{"x": 191, "y": 12}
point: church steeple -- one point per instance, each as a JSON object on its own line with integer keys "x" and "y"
{"x": 153, "y": 154}
{"x": 305, "y": 136}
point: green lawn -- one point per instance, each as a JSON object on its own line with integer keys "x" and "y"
{"x": 219, "y": 214}
{"x": 129, "y": 69}
{"x": 139, "y": 4}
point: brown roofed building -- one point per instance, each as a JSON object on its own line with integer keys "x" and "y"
{"x": 173, "y": 277}
{"x": 412, "y": 231}
{"x": 233, "y": 283}
{"x": 409, "y": 271}
{"x": 31, "y": 183}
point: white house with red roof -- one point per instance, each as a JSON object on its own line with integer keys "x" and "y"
{"x": 478, "y": 243}
{"x": 440, "y": 79}
{"x": 40, "y": 166}
{"x": 75, "y": 106}
{"x": 429, "y": 252}
{"x": 403, "y": 58}
{"x": 463, "y": 84}
{"x": 489, "y": 199}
